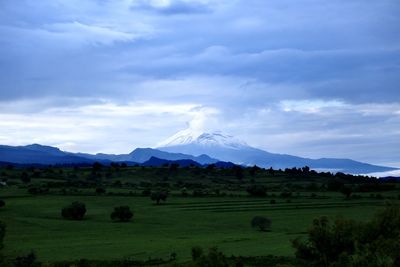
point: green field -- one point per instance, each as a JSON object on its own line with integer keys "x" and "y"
{"x": 34, "y": 223}
{"x": 205, "y": 207}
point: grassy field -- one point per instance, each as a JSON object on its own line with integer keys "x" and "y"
{"x": 34, "y": 223}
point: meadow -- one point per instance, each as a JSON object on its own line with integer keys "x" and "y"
{"x": 34, "y": 221}
{"x": 156, "y": 231}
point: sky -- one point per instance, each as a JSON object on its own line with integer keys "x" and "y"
{"x": 306, "y": 77}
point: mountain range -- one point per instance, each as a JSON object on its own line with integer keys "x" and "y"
{"x": 187, "y": 147}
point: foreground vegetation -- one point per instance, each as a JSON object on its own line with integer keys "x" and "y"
{"x": 136, "y": 216}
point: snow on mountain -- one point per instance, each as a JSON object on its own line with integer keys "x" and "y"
{"x": 189, "y": 136}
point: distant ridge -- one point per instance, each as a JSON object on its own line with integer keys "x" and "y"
{"x": 38, "y": 154}
{"x": 47, "y": 155}
{"x": 141, "y": 155}
{"x": 191, "y": 148}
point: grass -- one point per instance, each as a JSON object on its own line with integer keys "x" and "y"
{"x": 34, "y": 223}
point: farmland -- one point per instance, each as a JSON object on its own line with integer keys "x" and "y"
{"x": 183, "y": 221}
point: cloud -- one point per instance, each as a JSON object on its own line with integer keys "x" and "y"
{"x": 310, "y": 106}
{"x": 291, "y": 77}
{"x": 173, "y": 7}
{"x": 118, "y": 128}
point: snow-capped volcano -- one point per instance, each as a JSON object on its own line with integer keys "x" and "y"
{"x": 217, "y": 139}
{"x": 228, "y": 148}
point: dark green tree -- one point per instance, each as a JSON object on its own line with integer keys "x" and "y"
{"x": 214, "y": 258}
{"x": 122, "y": 214}
{"x": 159, "y": 196}
{"x": 26, "y": 261}
{"x": 262, "y": 223}
{"x": 347, "y": 191}
{"x": 2, "y": 233}
{"x": 25, "y": 177}
{"x": 257, "y": 190}
{"x": 75, "y": 211}
{"x": 197, "y": 252}
{"x": 238, "y": 172}
{"x": 355, "y": 244}
{"x": 100, "y": 190}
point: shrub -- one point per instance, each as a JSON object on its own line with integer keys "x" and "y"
{"x": 75, "y": 211}
{"x": 262, "y": 223}
{"x": 122, "y": 214}
{"x": 2, "y": 203}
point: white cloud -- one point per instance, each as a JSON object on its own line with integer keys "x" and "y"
{"x": 77, "y": 32}
{"x": 106, "y": 127}
{"x": 310, "y": 106}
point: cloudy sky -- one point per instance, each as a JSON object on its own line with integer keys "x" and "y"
{"x": 307, "y": 77}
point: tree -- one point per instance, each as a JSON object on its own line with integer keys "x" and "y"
{"x": 25, "y": 177}
{"x": 238, "y": 172}
{"x": 26, "y": 261}
{"x": 159, "y": 196}
{"x": 327, "y": 241}
{"x": 100, "y": 190}
{"x": 97, "y": 166}
{"x": 2, "y": 233}
{"x": 122, "y": 214}
{"x": 214, "y": 258}
{"x": 262, "y": 223}
{"x": 347, "y": 191}
{"x": 75, "y": 211}
{"x": 197, "y": 252}
{"x": 348, "y": 243}
{"x": 257, "y": 190}
{"x": 253, "y": 170}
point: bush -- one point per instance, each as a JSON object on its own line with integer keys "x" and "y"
{"x": 2, "y": 203}
{"x": 262, "y": 223}
{"x": 75, "y": 211}
{"x": 122, "y": 214}
{"x": 273, "y": 201}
